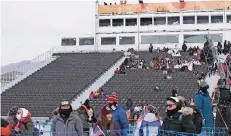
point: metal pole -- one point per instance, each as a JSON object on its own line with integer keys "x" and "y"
{"x": 96, "y": 26}
{"x": 138, "y": 25}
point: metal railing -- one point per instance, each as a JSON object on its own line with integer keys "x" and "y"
{"x": 130, "y": 132}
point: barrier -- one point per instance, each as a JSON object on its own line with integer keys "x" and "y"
{"x": 130, "y": 132}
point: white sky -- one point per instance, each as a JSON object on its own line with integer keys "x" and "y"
{"x": 29, "y": 28}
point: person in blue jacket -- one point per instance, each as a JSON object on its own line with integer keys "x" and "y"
{"x": 204, "y": 105}
{"x": 119, "y": 115}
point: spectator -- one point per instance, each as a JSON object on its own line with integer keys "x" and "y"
{"x": 129, "y": 103}
{"x": 203, "y": 104}
{"x": 174, "y": 92}
{"x": 117, "y": 71}
{"x": 169, "y": 76}
{"x": 91, "y": 96}
{"x": 157, "y": 88}
{"x": 11, "y": 116}
{"x": 86, "y": 114}
{"x": 150, "y": 48}
{"x": 176, "y": 120}
{"x": 24, "y": 124}
{"x": 199, "y": 80}
{"x": 191, "y": 102}
{"x": 66, "y": 122}
{"x": 6, "y": 128}
{"x": 150, "y": 122}
{"x": 119, "y": 115}
{"x": 106, "y": 122}
{"x": 96, "y": 94}
{"x": 184, "y": 47}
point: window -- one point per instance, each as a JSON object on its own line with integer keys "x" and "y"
{"x": 68, "y": 41}
{"x": 104, "y": 22}
{"x": 173, "y": 20}
{"x": 126, "y": 40}
{"x": 159, "y": 39}
{"x": 145, "y": 21}
{"x": 160, "y": 21}
{"x": 117, "y": 22}
{"x": 228, "y": 18}
{"x": 131, "y": 22}
{"x": 189, "y": 20}
{"x": 217, "y": 19}
{"x": 201, "y": 38}
{"x": 108, "y": 41}
{"x": 86, "y": 41}
{"x": 202, "y": 19}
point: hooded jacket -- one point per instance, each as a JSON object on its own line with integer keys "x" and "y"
{"x": 148, "y": 125}
{"x": 180, "y": 124}
{"x": 72, "y": 127}
{"x": 204, "y": 105}
{"x": 120, "y": 119}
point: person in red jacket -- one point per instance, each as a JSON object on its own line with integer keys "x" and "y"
{"x": 6, "y": 128}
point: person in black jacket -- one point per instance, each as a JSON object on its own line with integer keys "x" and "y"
{"x": 184, "y": 47}
{"x": 86, "y": 114}
{"x": 176, "y": 119}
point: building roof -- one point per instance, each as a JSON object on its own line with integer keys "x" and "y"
{"x": 164, "y": 7}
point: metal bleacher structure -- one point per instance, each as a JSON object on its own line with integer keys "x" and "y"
{"x": 70, "y": 73}
{"x": 65, "y": 77}
{"x": 139, "y": 84}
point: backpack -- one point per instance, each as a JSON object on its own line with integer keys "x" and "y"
{"x": 198, "y": 120}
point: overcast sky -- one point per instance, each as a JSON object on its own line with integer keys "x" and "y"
{"x": 29, "y": 28}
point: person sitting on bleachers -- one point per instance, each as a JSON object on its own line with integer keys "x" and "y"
{"x": 91, "y": 96}
{"x": 174, "y": 92}
{"x": 129, "y": 103}
{"x": 150, "y": 122}
{"x": 117, "y": 71}
{"x": 157, "y": 88}
{"x": 11, "y": 116}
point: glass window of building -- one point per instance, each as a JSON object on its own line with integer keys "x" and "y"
{"x": 173, "y": 20}
{"x": 68, "y": 41}
{"x": 86, "y": 41}
{"x": 104, "y": 22}
{"x": 202, "y": 19}
{"x": 108, "y": 41}
{"x": 201, "y": 38}
{"x": 228, "y": 18}
{"x": 131, "y": 22}
{"x": 117, "y": 22}
{"x": 145, "y": 21}
{"x": 189, "y": 20}
{"x": 160, "y": 21}
{"x": 159, "y": 39}
{"x": 217, "y": 19}
{"x": 126, "y": 40}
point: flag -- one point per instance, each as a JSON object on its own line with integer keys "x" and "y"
{"x": 97, "y": 132}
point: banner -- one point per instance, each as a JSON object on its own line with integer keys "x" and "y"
{"x": 164, "y": 7}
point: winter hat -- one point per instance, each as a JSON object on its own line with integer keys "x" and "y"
{"x": 173, "y": 99}
{"x": 23, "y": 114}
{"x": 65, "y": 102}
{"x": 113, "y": 94}
{"x": 112, "y": 99}
{"x": 151, "y": 109}
{"x": 104, "y": 111}
{"x": 13, "y": 111}
{"x": 87, "y": 102}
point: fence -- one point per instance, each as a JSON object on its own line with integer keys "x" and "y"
{"x": 130, "y": 132}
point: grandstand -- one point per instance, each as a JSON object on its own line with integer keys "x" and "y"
{"x": 139, "y": 85}
{"x": 66, "y": 77}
